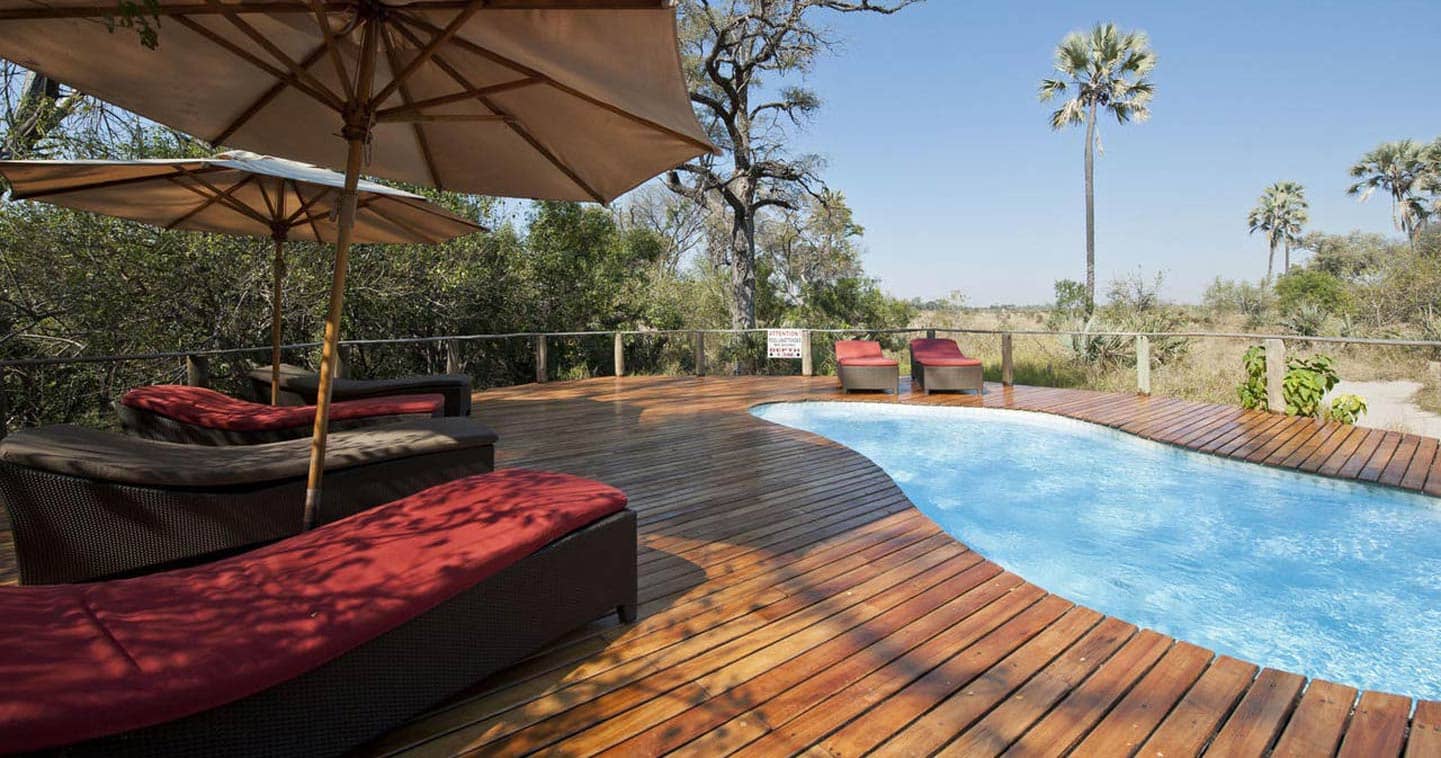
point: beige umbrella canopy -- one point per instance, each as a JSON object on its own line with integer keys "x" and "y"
{"x": 557, "y": 99}
{"x": 237, "y": 193}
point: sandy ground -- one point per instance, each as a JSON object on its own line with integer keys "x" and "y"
{"x": 1389, "y": 406}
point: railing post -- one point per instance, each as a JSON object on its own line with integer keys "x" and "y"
{"x": 4, "y": 408}
{"x": 197, "y": 371}
{"x": 1275, "y": 375}
{"x": 930, "y": 334}
{"x": 807, "y": 364}
{"x": 1008, "y": 365}
{"x": 699, "y": 353}
{"x": 619, "y": 354}
{"x": 342, "y": 366}
{"x": 1143, "y": 364}
{"x": 452, "y": 357}
{"x": 540, "y": 359}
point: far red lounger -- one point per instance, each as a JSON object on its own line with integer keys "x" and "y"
{"x": 321, "y": 642}
{"x": 199, "y": 416}
{"x": 861, "y": 365}
{"x": 939, "y": 364}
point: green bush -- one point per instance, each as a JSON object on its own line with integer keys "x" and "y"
{"x": 1346, "y": 408}
{"x": 1320, "y": 289}
{"x": 1306, "y": 383}
{"x": 1253, "y": 391}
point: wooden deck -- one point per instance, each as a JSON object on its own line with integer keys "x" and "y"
{"x": 793, "y": 601}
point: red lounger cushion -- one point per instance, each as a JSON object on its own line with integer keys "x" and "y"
{"x": 210, "y": 409}
{"x": 861, "y": 353}
{"x": 90, "y": 660}
{"x": 940, "y": 352}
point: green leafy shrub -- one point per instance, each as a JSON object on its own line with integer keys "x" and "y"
{"x": 1307, "y": 285}
{"x": 1253, "y": 391}
{"x": 1306, "y": 383}
{"x": 1346, "y": 408}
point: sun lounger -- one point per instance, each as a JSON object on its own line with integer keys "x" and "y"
{"x": 85, "y": 504}
{"x": 861, "y": 365}
{"x": 321, "y": 642}
{"x": 199, "y": 416}
{"x": 939, "y": 364}
{"x": 300, "y": 386}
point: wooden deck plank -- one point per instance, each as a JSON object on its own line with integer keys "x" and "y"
{"x": 1378, "y": 727}
{"x": 1320, "y": 719}
{"x": 1194, "y": 720}
{"x": 793, "y": 601}
{"x": 1259, "y": 717}
{"x": 1133, "y": 719}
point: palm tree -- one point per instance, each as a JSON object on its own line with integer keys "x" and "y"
{"x": 1103, "y": 69}
{"x": 1281, "y": 213}
{"x": 1395, "y": 168}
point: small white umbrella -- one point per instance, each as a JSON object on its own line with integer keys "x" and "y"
{"x": 241, "y": 193}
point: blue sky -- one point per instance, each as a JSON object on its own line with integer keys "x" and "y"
{"x": 931, "y": 127}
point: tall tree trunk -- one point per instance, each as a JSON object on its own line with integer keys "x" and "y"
{"x": 1270, "y": 261}
{"x": 1286, "y": 259}
{"x": 1090, "y": 212}
{"x": 743, "y": 271}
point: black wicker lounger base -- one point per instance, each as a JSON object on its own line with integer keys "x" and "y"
{"x": 397, "y": 676}
{"x": 87, "y": 505}
{"x": 299, "y": 386}
{"x": 936, "y": 378}
{"x": 885, "y": 378}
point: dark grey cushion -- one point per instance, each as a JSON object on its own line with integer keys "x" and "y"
{"x": 105, "y": 456}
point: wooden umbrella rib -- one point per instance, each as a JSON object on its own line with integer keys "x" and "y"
{"x": 325, "y": 98}
{"x": 293, "y": 66}
{"x": 305, "y": 205}
{"x": 266, "y": 98}
{"x": 511, "y": 63}
{"x": 428, "y": 207}
{"x": 42, "y": 12}
{"x": 107, "y": 184}
{"x": 405, "y": 98}
{"x": 519, "y": 130}
{"x": 331, "y": 50}
{"x": 399, "y": 112}
{"x": 427, "y": 52}
{"x": 270, "y": 209}
{"x": 415, "y": 232}
{"x": 213, "y": 195}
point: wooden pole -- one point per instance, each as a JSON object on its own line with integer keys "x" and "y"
{"x": 277, "y": 276}
{"x": 1275, "y": 375}
{"x": 1008, "y": 364}
{"x": 452, "y": 357}
{"x": 699, "y": 339}
{"x": 197, "y": 370}
{"x": 930, "y": 334}
{"x": 540, "y": 359}
{"x": 4, "y": 408}
{"x": 357, "y": 133}
{"x": 1143, "y": 364}
{"x": 619, "y": 354}
{"x": 807, "y": 361}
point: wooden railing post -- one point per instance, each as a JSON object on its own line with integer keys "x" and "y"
{"x": 452, "y": 357}
{"x": 1008, "y": 365}
{"x": 1143, "y": 364}
{"x": 619, "y": 354}
{"x": 699, "y": 353}
{"x": 342, "y": 365}
{"x": 807, "y": 363}
{"x": 930, "y": 334}
{"x": 4, "y": 408}
{"x": 197, "y": 371}
{"x": 540, "y": 359}
{"x": 1275, "y": 375}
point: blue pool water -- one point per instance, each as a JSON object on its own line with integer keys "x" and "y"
{"x": 1330, "y": 579}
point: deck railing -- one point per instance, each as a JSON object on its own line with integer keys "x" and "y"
{"x": 692, "y": 351}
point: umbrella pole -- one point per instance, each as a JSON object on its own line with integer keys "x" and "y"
{"x": 356, "y": 131}
{"x": 278, "y": 273}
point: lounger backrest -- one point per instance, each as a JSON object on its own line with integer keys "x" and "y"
{"x": 937, "y": 346}
{"x": 857, "y": 349}
{"x": 213, "y": 410}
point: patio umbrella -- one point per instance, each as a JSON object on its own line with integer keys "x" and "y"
{"x": 556, "y": 99}
{"x": 237, "y": 192}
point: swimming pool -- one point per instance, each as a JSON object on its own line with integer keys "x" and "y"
{"x": 1325, "y": 578}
